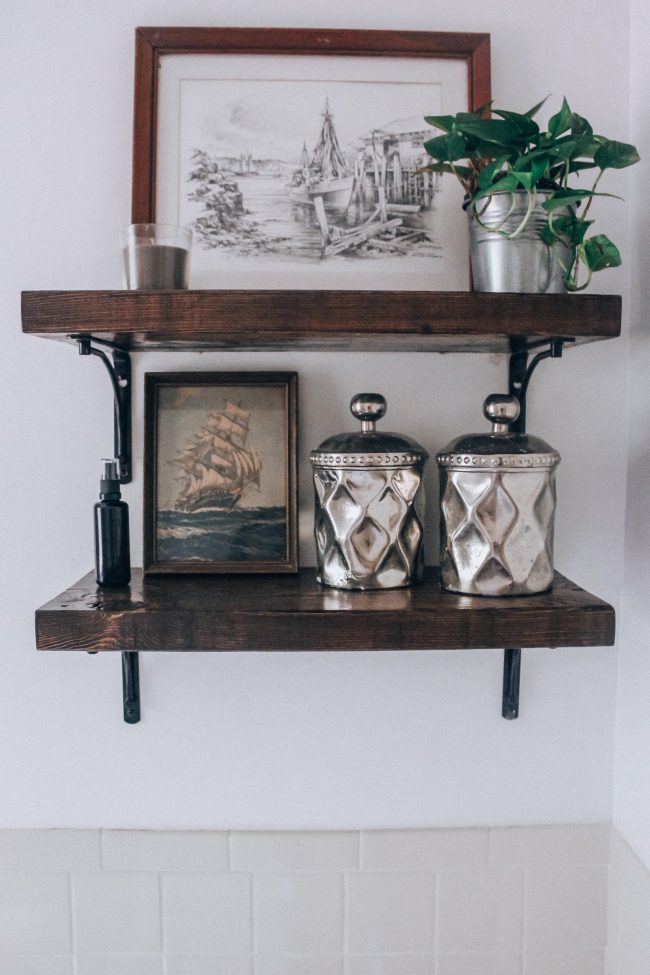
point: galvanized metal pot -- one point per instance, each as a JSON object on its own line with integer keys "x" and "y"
{"x": 369, "y": 504}
{"x": 497, "y": 498}
{"x": 522, "y": 263}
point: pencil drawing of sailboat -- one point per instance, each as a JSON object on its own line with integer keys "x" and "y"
{"x": 327, "y": 174}
{"x": 217, "y": 466}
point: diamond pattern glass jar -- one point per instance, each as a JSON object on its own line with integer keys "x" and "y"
{"x": 369, "y": 504}
{"x": 497, "y": 498}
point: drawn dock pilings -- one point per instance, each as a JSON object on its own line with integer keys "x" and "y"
{"x": 402, "y": 180}
{"x": 380, "y": 231}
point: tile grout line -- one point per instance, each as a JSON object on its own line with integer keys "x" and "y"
{"x": 253, "y": 930}
{"x": 524, "y": 920}
{"x": 345, "y": 878}
{"x": 436, "y": 920}
{"x": 73, "y": 947}
{"x": 522, "y": 931}
{"x": 345, "y": 952}
{"x": 161, "y": 921}
{"x": 617, "y": 933}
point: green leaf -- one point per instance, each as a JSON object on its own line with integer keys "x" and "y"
{"x": 561, "y": 122}
{"x": 488, "y": 172}
{"x": 524, "y": 125}
{"x": 482, "y": 108}
{"x": 576, "y": 165}
{"x": 525, "y": 180}
{"x": 444, "y": 167}
{"x": 456, "y": 146}
{"x": 535, "y": 109}
{"x": 447, "y": 148}
{"x": 509, "y": 184}
{"x": 438, "y": 148}
{"x": 562, "y": 198}
{"x": 493, "y": 131}
{"x": 616, "y": 155}
{"x": 580, "y": 126}
{"x": 568, "y": 226}
{"x": 564, "y": 149}
{"x": 536, "y": 165}
{"x": 444, "y": 122}
{"x": 547, "y": 235}
{"x": 462, "y": 117}
{"x": 599, "y": 252}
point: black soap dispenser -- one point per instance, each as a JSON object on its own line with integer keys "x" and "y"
{"x": 111, "y": 515}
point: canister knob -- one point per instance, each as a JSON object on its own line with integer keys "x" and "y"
{"x": 501, "y": 411}
{"x": 368, "y": 407}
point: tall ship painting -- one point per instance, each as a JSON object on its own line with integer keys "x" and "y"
{"x": 217, "y": 466}
{"x": 327, "y": 174}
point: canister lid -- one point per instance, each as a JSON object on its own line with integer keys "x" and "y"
{"x": 368, "y": 447}
{"x": 500, "y": 448}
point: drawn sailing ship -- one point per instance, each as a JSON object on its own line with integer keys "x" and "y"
{"x": 327, "y": 174}
{"x": 217, "y": 466}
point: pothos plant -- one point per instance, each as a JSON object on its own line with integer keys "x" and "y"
{"x": 510, "y": 153}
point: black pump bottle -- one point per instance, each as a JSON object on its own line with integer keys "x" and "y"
{"x": 111, "y": 515}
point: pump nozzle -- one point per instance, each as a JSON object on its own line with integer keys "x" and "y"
{"x": 110, "y": 469}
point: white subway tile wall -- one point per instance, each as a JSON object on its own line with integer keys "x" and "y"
{"x": 207, "y": 914}
{"x": 116, "y": 912}
{"x": 505, "y": 901}
{"x": 628, "y": 939}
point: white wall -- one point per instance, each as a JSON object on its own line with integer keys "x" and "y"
{"x": 632, "y": 784}
{"x": 304, "y": 740}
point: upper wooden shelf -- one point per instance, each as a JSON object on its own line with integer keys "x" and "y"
{"x": 295, "y": 613}
{"x": 337, "y": 320}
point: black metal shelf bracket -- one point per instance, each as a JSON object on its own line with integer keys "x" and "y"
{"x": 511, "y": 674}
{"x": 131, "y": 686}
{"x": 119, "y": 371}
{"x": 520, "y": 371}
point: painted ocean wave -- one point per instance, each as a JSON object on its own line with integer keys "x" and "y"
{"x": 242, "y": 535}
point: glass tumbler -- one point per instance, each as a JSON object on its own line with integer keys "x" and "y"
{"x": 155, "y": 256}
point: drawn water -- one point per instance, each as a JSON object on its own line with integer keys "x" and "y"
{"x": 291, "y": 226}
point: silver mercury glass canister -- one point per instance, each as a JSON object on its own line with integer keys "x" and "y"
{"x": 497, "y": 497}
{"x": 369, "y": 504}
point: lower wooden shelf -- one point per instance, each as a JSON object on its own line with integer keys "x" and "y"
{"x": 238, "y": 613}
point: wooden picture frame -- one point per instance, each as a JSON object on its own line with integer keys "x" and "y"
{"x": 220, "y": 472}
{"x": 319, "y": 247}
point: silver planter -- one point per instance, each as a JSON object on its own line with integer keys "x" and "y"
{"x": 523, "y": 263}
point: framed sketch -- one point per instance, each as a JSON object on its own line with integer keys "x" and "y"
{"x": 295, "y": 156}
{"x": 220, "y": 472}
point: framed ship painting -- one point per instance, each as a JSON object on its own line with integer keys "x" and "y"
{"x": 296, "y": 156}
{"x": 220, "y": 472}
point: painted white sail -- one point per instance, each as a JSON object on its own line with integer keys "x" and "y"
{"x": 217, "y": 467}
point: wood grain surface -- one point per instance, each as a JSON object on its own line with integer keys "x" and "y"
{"x": 296, "y": 613}
{"x": 344, "y": 320}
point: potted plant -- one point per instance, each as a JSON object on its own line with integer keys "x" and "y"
{"x": 521, "y": 194}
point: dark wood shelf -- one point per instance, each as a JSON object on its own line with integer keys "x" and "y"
{"x": 335, "y": 320}
{"x": 220, "y": 613}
